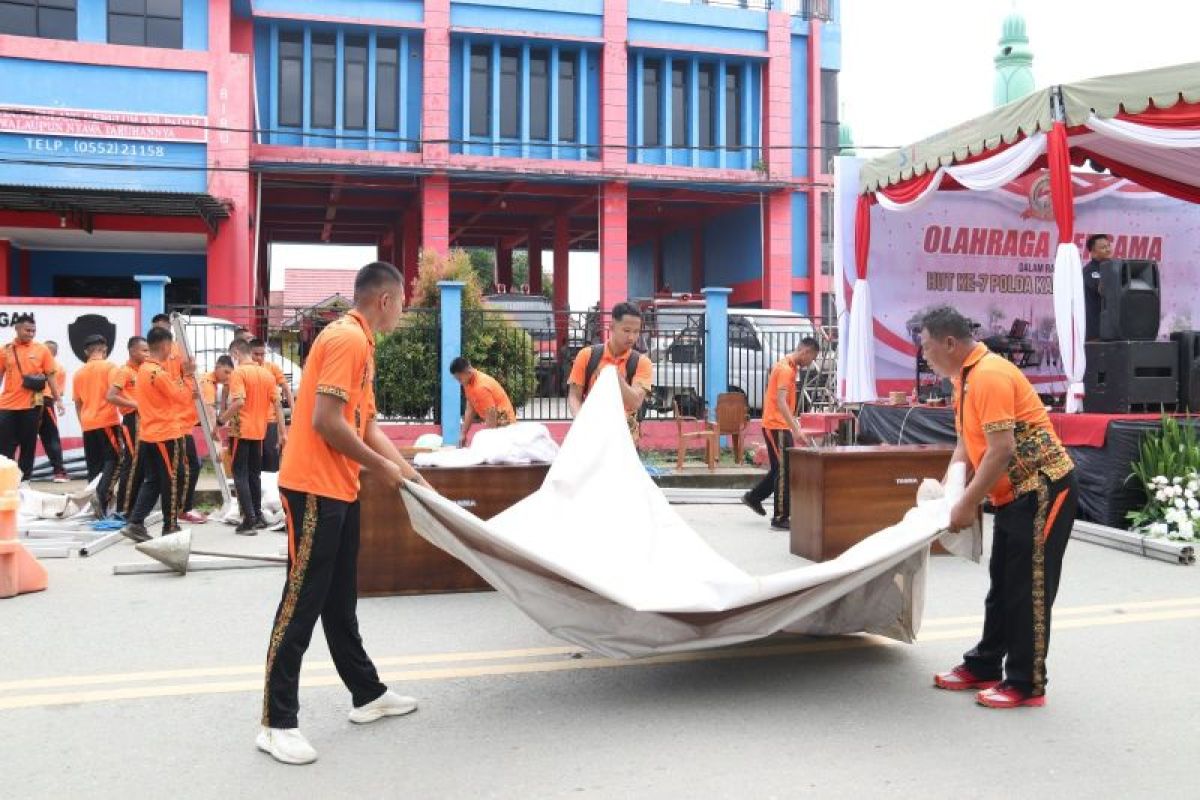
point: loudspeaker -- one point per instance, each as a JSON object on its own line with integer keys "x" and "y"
{"x": 1189, "y": 370}
{"x": 1122, "y": 376}
{"x": 1130, "y": 306}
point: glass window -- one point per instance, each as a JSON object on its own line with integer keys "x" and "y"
{"x": 510, "y": 92}
{"x": 651, "y": 97}
{"x": 826, "y": 233}
{"x": 567, "y": 63}
{"x": 387, "y": 86}
{"x": 679, "y": 104}
{"x": 291, "y": 79}
{"x": 539, "y": 95}
{"x": 733, "y": 107}
{"x": 324, "y": 75}
{"x": 48, "y": 19}
{"x": 708, "y": 104}
{"x": 829, "y": 118}
{"x": 354, "y": 114}
{"x": 146, "y": 23}
{"x": 481, "y": 90}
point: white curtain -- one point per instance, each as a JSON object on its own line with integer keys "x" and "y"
{"x": 1070, "y": 318}
{"x": 1173, "y": 138}
{"x": 856, "y": 345}
{"x": 1002, "y": 168}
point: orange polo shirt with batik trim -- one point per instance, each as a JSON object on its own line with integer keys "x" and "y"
{"x": 783, "y": 376}
{"x": 255, "y": 386}
{"x": 35, "y": 359}
{"x": 90, "y": 391}
{"x": 159, "y": 396}
{"x": 643, "y": 377}
{"x": 991, "y": 394}
{"x": 485, "y": 393}
{"x": 340, "y": 364}
{"x": 123, "y": 379}
{"x": 280, "y": 380}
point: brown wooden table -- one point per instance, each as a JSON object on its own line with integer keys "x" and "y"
{"x": 841, "y": 495}
{"x": 394, "y": 559}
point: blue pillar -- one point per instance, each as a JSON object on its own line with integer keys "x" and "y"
{"x": 451, "y": 326}
{"x": 154, "y": 297}
{"x": 716, "y": 345}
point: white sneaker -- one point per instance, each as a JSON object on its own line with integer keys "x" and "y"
{"x": 287, "y": 745}
{"x": 388, "y": 704}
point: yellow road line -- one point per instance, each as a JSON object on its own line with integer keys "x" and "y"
{"x": 484, "y": 670}
{"x": 234, "y": 671}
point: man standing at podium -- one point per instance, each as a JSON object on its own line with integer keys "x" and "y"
{"x": 1099, "y": 247}
{"x": 1018, "y": 463}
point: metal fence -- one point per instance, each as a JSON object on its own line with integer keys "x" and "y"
{"x": 407, "y": 380}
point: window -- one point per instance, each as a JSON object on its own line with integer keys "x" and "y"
{"x": 387, "y": 85}
{"x": 567, "y": 65}
{"x": 510, "y": 92}
{"x": 651, "y": 83}
{"x": 481, "y": 90}
{"x": 829, "y": 118}
{"x": 291, "y": 79}
{"x": 539, "y": 95}
{"x": 147, "y": 23}
{"x": 733, "y": 108}
{"x": 828, "y": 309}
{"x": 826, "y": 233}
{"x": 324, "y": 76}
{"x": 354, "y": 112}
{"x": 679, "y": 105}
{"x": 49, "y": 19}
{"x": 708, "y": 104}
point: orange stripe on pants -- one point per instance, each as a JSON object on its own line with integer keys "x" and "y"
{"x": 291, "y": 527}
{"x": 1058, "y": 501}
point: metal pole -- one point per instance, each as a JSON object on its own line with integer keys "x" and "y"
{"x": 201, "y": 411}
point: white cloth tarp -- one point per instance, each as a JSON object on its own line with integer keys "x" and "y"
{"x": 519, "y": 443}
{"x": 856, "y": 377}
{"x": 599, "y": 558}
{"x": 1070, "y": 317}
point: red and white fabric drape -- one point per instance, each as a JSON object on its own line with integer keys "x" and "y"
{"x": 1070, "y": 314}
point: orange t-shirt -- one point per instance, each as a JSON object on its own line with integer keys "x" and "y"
{"x": 643, "y": 375}
{"x": 341, "y": 364}
{"x": 124, "y": 378}
{"x": 60, "y": 379}
{"x": 90, "y": 391}
{"x": 280, "y": 380}
{"x": 35, "y": 360}
{"x": 783, "y": 376}
{"x": 159, "y": 397}
{"x": 999, "y": 397}
{"x": 484, "y": 392}
{"x": 256, "y": 386}
{"x": 208, "y": 389}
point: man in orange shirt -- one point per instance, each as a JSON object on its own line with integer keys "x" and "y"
{"x": 635, "y": 374}
{"x": 252, "y": 392}
{"x": 121, "y": 383}
{"x": 1017, "y": 462}
{"x": 781, "y": 429}
{"x": 28, "y": 377}
{"x": 48, "y": 431}
{"x": 486, "y": 398}
{"x": 188, "y": 420}
{"x": 101, "y": 424}
{"x": 276, "y": 436}
{"x": 159, "y": 395}
{"x": 333, "y": 434}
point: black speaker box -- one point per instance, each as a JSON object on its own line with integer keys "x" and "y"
{"x": 1130, "y": 305}
{"x": 1189, "y": 370}
{"x": 1127, "y": 376}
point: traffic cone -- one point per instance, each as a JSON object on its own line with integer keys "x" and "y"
{"x": 20, "y": 572}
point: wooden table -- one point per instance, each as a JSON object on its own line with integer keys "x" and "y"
{"x": 395, "y": 559}
{"x": 841, "y": 495}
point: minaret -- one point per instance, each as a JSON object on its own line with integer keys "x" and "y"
{"x": 845, "y": 136}
{"x": 1014, "y": 62}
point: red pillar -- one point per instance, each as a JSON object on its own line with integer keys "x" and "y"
{"x": 435, "y": 213}
{"x": 435, "y": 101}
{"x": 504, "y": 266}
{"x": 816, "y": 168}
{"x": 535, "y": 259}
{"x": 697, "y": 258}
{"x": 5, "y": 265}
{"x": 614, "y": 76}
{"x": 562, "y": 256}
{"x": 410, "y": 248}
{"x": 614, "y": 244}
{"x": 777, "y": 126}
{"x": 777, "y": 251}
{"x": 231, "y": 278}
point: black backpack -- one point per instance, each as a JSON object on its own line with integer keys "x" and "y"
{"x": 597, "y": 353}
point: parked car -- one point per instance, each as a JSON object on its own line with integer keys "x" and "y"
{"x": 535, "y": 315}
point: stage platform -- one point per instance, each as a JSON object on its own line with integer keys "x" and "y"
{"x": 1103, "y": 446}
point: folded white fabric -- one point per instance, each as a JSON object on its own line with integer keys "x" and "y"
{"x": 519, "y": 443}
{"x": 967, "y": 543}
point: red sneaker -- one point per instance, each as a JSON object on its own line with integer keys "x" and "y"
{"x": 194, "y": 517}
{"x": 961, "y": 679}
{"x": 1007, "y": 696}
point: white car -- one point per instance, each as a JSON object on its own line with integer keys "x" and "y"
{"x": 208, "y": 339}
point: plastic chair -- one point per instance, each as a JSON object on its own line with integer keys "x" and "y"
{"x": 708, "y": 434}
{"x": 733, "y": 414}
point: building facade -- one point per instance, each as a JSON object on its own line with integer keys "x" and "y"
{"x": 688, "y": 142}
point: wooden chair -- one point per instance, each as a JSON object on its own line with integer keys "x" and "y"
{"x": 708, "y": 435}
{"x": 733, "y": 414}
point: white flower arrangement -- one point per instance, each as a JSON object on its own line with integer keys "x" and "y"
{"x": 1178, "y": 501}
